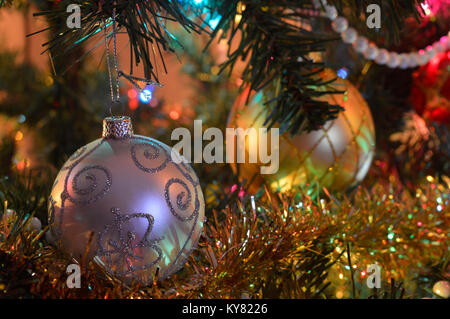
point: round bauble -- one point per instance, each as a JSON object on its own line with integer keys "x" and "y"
{"x": 35, "y": 224}
{"x": 337, "y": 156}
{"x": 49, "y": 237}
{"x": 10, "y": 214}
{"x": 143, "y": 210}
{"x": 442, "y": 289}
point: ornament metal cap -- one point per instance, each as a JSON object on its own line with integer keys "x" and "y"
{"x": 117, "y": 127}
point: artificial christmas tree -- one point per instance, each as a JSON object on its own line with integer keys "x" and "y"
{"x": 313, "y": 239}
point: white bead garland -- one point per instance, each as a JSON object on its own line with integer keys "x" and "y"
{"x": 361, "y": 44}
{"x": 382, "y": 56}
{"x": 394, "y": 60}
{"x": 372, "y": 52}
{"x": 340, "y": 24}
{"x": 404, "y": 61}
{"x": 331, "y": 12}
{"x": 349, "y": 35}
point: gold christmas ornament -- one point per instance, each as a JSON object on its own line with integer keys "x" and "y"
{"x": 143, "y": 210}
{"x": 442, "y": 289}
{"x": 336, "y": 156}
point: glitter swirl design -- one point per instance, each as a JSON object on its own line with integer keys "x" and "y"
{"x": 87, "y": 174}
{"x": 151, "y": 151}
{"x": 188, "y": 173}
{"x": 65, "y": 194}
{"x": 183, "y": 199}
{"x": 122, "y": 251}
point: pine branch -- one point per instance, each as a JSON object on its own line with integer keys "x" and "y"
{"x": 144, "y": 22}
{"x": 269, "y": 34}
{"x": 276, "y": 46}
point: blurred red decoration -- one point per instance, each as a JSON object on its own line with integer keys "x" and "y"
{"x": 174, "y": 115}
{"x": 430, "y": 92}
{"x": 21, "y": 165}
{"x": 132, "y": 94}
{"x": 133, "y": 104}
{"x": 436, "y": 7}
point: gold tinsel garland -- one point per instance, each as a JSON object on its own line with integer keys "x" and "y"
{"x": 278, "y": 246}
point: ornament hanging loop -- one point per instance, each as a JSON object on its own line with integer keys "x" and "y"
{"x": 116, "y": 74}
{"x": 113, "y": 74}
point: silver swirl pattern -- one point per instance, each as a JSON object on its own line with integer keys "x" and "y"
{"x": 121, "y": 252}
{"x": 183, "y": 199}
{"x": 91, "y": 178}
{"x": 188, "y": 173}
{"x": 151, "y": 151}
{"x": 78, "y": 156}
{"x": 119, "y": 249}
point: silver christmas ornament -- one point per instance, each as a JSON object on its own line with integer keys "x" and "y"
{"x": 143, "y": 210}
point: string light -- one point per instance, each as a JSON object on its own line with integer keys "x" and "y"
{"x": 240, "y": 8}
{"x": 19, "y": 136}
{"x": 146, "y": 94}
{"x": 132, "y": 94}
{"x": 214, "y": 21}
{"x": 426, "y": 8}
{"x": 342, "y": 73}
{"x": 21, "y": 118}
{"x": 22, "y": 164}
{"x": 174, "y": 115}
{"x": 133, "y": 104}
